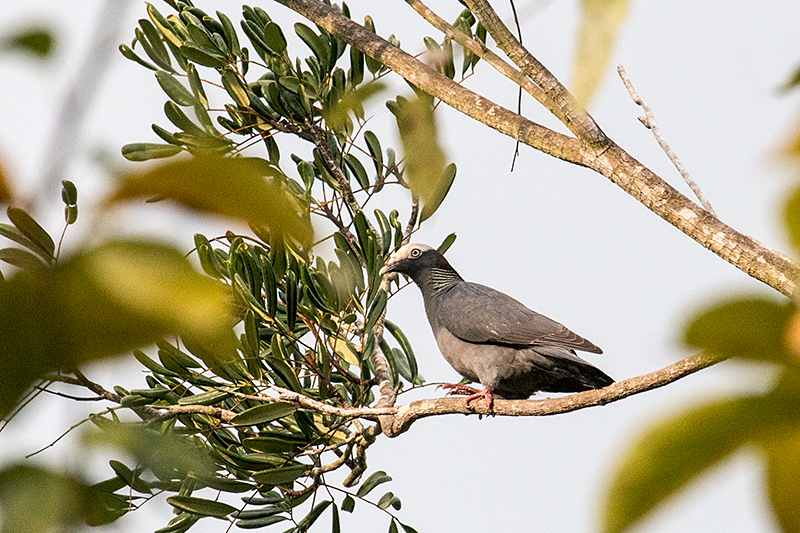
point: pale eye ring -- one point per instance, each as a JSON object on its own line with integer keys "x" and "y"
{"x": 415, "y": 252}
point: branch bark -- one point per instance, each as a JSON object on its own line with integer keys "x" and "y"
{"x": 591, "y": 149}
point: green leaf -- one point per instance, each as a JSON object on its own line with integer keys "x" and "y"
{"x": 447, "y": 243}
{"x": 425, "y": 164}
{"x": 314, "y": 42}
{"x": 371, "y": 482}
{"x": 206, "y": 398}
{"x": 281, "y": 476}
{"x": 258, "y": 523}
{"x": 312, "y": 516}
{"x": 250, "y": 189}
{"x": 45, "y": 246}
{"x": 261, "y": 414}
{"x": 148, "y": 151}
{"x": 374, "y": 147}
{"x": 21, "y": 258}
{"x": 69, "y": 193}
{"x": 673, "y": 452}
{"x": 783, "y": 471}
{"x": 36, "y": 41}
{"x": 752, "y": 329}
{"x": 600, "y": 24}
{"x": 274, "y": 38}
{"x": 130, "y": 54}
{"x": 270, "y": 444}
{"x": 792, "y": 218}
{"x": 37, "y": 500}
{"x": 201, "y": 506}
{"x": 174, "y": 89}
{"x": 348, "y": 504}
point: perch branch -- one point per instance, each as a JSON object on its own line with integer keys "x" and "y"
{"x": 649, "y": 122}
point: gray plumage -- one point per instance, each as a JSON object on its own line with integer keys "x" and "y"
{"x": 491, "y": 338}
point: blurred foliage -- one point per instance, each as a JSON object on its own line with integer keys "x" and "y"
{"x": 36, "y": 41}
{"x": 266, "y": 315}
{"x": 674, "y": 452}
{"x": 600, "y": 25}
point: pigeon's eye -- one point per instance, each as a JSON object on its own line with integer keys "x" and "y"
{"x": 415, "y": 252}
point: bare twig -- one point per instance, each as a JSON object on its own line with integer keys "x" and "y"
{"x": 412, "y": 218}
{"x": 649, "y": 122}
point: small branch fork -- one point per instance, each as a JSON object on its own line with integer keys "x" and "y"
{"x": 649, "y": 122}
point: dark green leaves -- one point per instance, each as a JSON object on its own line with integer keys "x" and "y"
{"x": 373, "y": 481}
{"x": 281, "y": 476}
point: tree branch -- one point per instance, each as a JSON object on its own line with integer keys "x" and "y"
{"x": 746, "y": 253}
{"x": 649, "y": 122}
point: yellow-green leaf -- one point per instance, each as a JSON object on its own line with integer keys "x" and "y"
{"x": 600, "y": 24}
{"x": 281, "y": 476}
{"x": 783, "y": 473}
{"x": 753, "y": 329}
{"x": 250, "y": 189}
{"x": 426, "y": 166}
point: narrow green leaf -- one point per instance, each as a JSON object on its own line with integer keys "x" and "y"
{"x": 21, "y": 258}
{"x": 336, "y": 526}
{"x": 258, "y": 523}
{"x": 371, "y": 482}
{"x": 262, "y": 414}
{"x": 281, "y": 476}
{"x": 268, "y": 444}
{"x": 130, "y": 54}
{"x": 148, "y": 151}
{"x": 174, "y": 89}
{"x": 374, "y": 147}
{"x": 314, "y": 42}
{"x": 201, "y": 506}
{"x": 232, "y": 84}
{"x": 206, "y": 398}
{"x": 33, "y": 231}
{"x": 447, "y": 243}
{"x": 274, "y": 38}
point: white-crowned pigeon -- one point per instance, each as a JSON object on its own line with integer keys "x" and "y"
{"x": 491, "y": 338}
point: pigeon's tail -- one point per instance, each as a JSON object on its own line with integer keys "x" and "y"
{"x": 581, "y": 377}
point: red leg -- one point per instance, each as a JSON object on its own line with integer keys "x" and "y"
{"x": 458, "y": 388}
{"x": 485, "y": 393}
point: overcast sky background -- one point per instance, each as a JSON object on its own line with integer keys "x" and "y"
{"x": 562, "y": 239}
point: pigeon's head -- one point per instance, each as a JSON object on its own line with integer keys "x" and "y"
{"x": 413, "y": 259}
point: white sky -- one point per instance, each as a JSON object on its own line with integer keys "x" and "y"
{"x": 561, "y": 239}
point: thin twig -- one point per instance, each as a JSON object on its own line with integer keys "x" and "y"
{"x": 649, "y": 122}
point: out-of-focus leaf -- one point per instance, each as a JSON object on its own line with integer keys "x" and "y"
{"x": 672, "y": 453}
{"x": 753, "y": 329}
{"x": 600, "y": 23}
{"x": 36, "y": 500}
{"x": 161, "y": 453}
{"x": 792, "y": 216}
{"x": 5, "y": 189}
{"x": 792, "y": 82}
{"x": 783, "y": 471}
{"x": 103, "y": 302}
{"x": 336, "y": 116}
{"x": 36, "y": 41}
{"x": 201, "y": 506}
{"x": 250, "y": 189}
{"x": 261, "y": 414}
{"x": 21, "y": 258}
{"x": 425, "y": 164}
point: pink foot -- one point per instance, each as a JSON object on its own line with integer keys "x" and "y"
{"x": 471, "y": 392}
{"x": 458, "y": 388}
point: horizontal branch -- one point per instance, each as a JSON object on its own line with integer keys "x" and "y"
{"x": 400, "y": 418}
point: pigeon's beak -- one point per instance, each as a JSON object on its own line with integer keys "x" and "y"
{"x": 390, "y": 266}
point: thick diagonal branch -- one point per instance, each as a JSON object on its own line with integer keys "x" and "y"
{"x": 608, "y": 159}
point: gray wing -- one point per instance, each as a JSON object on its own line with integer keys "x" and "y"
{"x": 480, "y": 314}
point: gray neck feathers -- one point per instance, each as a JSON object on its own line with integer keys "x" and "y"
{"x": 437, "y": 280}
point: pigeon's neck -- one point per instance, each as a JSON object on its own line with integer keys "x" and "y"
{"x": 434, "y": 281}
